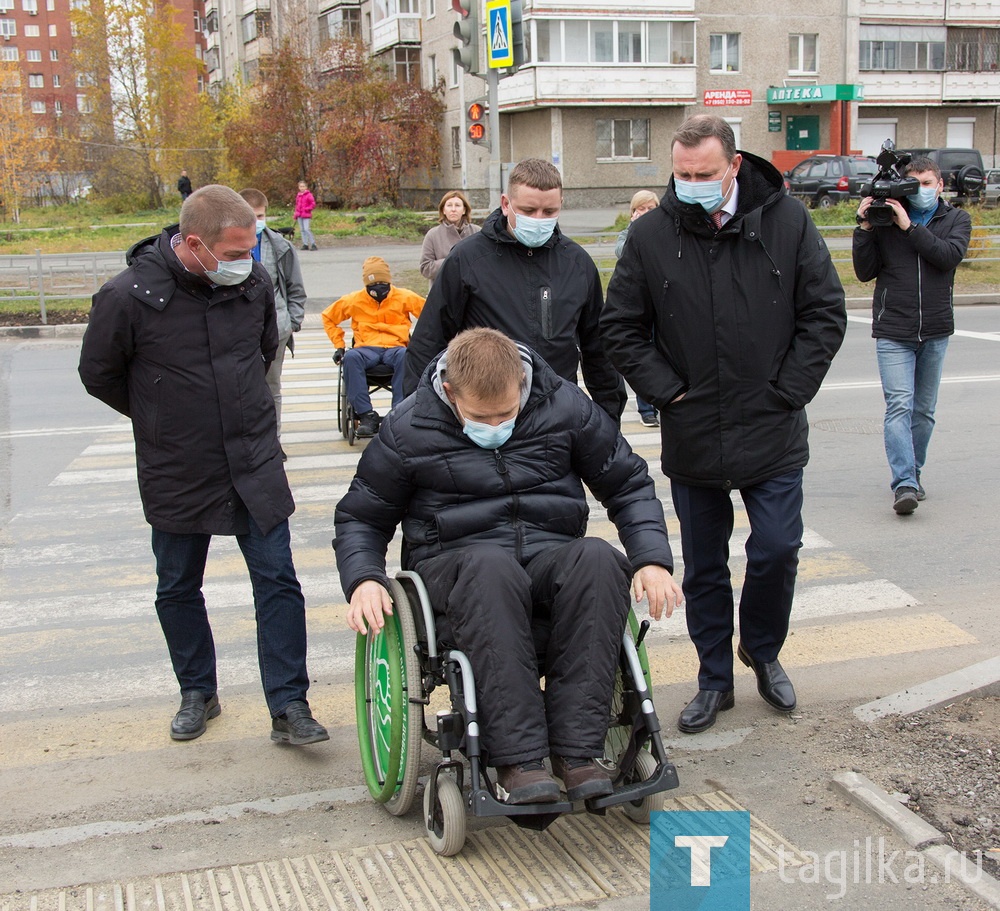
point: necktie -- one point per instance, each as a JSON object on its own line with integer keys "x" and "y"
{"x": 716, "y": 219}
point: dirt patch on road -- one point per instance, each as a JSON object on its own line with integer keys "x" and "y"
{"x": 53, "y": 318}
{"x": 947, "y": 762}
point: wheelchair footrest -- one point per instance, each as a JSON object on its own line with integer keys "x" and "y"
{"x": 664, "y": 779}
{"x": 483, "y": 803}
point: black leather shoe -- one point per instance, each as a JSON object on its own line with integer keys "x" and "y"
{"x": 195, "y": 710}
{"x": 701, "y": 711}
{"x": 297, "y": 726}
{"x": 772, "y": 682}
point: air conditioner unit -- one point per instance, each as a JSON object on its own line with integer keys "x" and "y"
{"x": 32, "y": 12}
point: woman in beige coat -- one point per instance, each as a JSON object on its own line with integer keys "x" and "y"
{"x": 455, "y": 216}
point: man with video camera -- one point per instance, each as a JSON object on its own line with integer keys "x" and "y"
{"x": 911, "y": 241}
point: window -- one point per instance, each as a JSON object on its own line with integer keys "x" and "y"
{"x": 212, "y": 59}
{"x": 431, "y": 9}
{"x": 32, "y": 31}
{"x": 9, "y": 54}
{"x": 343, "y": 21}
{"x": 6, "y": 5}
{"x": 432, "y": 73}
{"x": 724, "y": 53}
{"x": 802, "y": 56}
{"x": 612, "y": 41}
{"x": 83, "y": 104}
{"x": 974, "y": 50}
{"x": 407, "y": 63}
{"x": 34, "y": 56}
{"x": 899, "y": 47}
{"x": 456, "y": 70}
{"x": 56, "y": 81}
{"x": 622, "y": 139}
{"x": 37, "y": 107}
{"x": 456, "y": 147}
{"x": 30, "y": 6}
{"x": 57, "y": 107}
{"x": 8, "y": 28}
{"x": 53, "y": 54}
{"x": 53, "y": 31}
{"x": 36, "y": 81}
{"x": 250, "y": 70}
{"x": 248, "y": 28}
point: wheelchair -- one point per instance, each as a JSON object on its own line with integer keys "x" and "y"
{"x": 397, "y": 669}
{"x": 379, "y": 378}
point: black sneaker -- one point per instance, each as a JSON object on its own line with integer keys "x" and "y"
{"x": 905, "y": 501}
{"x": 583, "y": 778}
{"x": 528, "y": 782}
{"x": 649, "y": 420}
{"x": 368, "y": 424}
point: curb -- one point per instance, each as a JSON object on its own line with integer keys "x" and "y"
{"x": 64, "y": 330}
{"x": 921, "y": 835}
{"x": 977, "y": 679}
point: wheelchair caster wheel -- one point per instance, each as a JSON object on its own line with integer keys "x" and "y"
{"x": 639, "y": 811}
{"x": 445, "y": 821}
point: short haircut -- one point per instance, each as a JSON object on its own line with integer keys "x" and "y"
{"x": 695, "y": 130}
{"x": 535, "y": 173}
{"x": 211, "y": 210}
{"x": 255, "y": 199}
{"x": 920, "y": 165}
{"x": 484, "y": 363}
{"x": 642, "y": 199}
{"x": 455, "y": 194}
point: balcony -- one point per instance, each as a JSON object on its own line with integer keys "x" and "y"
{"x": 902, "y": 87}
{"x": 634, "y": 8}
{"x": 400, "y": 29}
{"x": 566, "y": 85}
{"x": 948, "y": 12}
{"x": 959, "y": 86}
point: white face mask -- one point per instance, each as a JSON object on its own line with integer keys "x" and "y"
{"x": 228, "y": 273}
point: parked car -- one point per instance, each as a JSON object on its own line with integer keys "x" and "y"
{"x": 991, "y": 193}
{"x": 824, "y": 180}
{"x": 961, "y": 170}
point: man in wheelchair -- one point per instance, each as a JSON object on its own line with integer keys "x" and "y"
{"x": 381, "y": 314}
{"x": 484, "y": 466}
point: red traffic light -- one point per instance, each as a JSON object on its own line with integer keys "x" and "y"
{"x": 476, "y": 112}
{"x": 477, "y": 132}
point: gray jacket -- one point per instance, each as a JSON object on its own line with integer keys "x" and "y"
{"x": 282, "y": 265}
{"x": 438, "y": 243}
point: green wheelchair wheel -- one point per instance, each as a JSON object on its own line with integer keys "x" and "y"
{"x": 620, "y": 722}
{"x": 389, "y": 714}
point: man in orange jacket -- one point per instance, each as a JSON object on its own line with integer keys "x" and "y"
{"x": 380, "y": 316}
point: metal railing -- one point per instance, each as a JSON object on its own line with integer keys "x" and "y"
{"x": 37, "y": 279}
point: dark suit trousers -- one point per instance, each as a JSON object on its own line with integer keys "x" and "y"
{"x": 774, "y": 508}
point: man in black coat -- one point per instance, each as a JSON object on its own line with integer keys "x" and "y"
{"x": 523, "y": 276}
{"x": 913, "y": 260}
{"x": 725, "y": 312}
{"x": 180, "y": 343}
{"x": 184, "y": 185}
{"x": 484, "y": 467}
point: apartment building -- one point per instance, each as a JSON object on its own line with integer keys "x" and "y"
{"x": 603, "y": 89}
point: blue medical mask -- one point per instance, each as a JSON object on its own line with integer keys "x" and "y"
{"x": 228, "y": 273}
{"x": 489, "y": 436}
{"x": 261, "y": 225}
{"x": 533, "y": 232}
{"x": 924, "y": 199}
{"x": 704, "y": 193}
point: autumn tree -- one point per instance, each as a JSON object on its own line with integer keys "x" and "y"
{"x": 376, "y": 130}
{"x": 144, "y": 117}
{"x": 20, "y": 149}
{"x": 273, "y": 126}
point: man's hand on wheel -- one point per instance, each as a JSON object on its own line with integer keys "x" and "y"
{"x": 370, "y": 602}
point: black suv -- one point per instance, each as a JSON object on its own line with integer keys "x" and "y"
{"x": 962, "y": 171}
{"x": 824, "y": 180}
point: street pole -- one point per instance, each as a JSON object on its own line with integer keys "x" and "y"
{"x": 493, "y": 103}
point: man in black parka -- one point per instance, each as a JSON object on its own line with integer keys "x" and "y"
{"x": 520, "y": 274}
{"x": 180, "y": 343}
{"x": 484, "y": 466}
{"x": 725, "y": 312}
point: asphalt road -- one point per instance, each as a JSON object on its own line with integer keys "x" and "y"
{"x": 95, "y": 792}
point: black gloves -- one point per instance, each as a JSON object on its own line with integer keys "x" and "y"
{"x": 338, "y": 355}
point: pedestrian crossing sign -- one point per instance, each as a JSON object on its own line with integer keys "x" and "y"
{"x": 498, "y": 33}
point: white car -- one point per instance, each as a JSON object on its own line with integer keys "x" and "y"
{"x": 991, "y": 195}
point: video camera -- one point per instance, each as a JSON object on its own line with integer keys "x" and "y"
{"x": 888, "y": 183}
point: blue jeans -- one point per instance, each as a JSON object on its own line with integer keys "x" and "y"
{"x": 307, "y": 235}
{"x": 774, "y": 508}
{"x": 644, "y": 408}
{"x": 357, "y": 361}
{"x": 278, "y": 606}
{"x": 911, "y": 374}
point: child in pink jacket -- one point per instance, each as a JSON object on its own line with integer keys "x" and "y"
{"x": 305, "y": 202}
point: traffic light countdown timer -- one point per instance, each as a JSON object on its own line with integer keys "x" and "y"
{"x": 475, "y": 117}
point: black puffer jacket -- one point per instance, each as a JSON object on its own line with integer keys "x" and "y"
{"x": 548, "y": 297}
{"x": 915, "y": 274}
{"x": 744, "y": 323}
{"x": 528, "y": 495}
{"x": 186, "y": 363}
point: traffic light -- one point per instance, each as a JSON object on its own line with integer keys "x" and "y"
{"x": 467, "y": 31}
{"x": 475, "y": 122}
